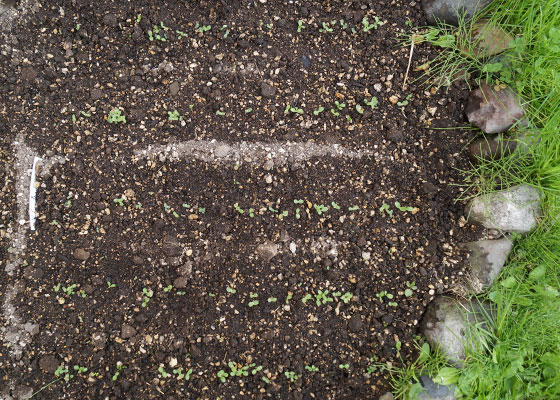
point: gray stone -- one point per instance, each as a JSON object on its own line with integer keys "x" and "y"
{"x": 22, "y": 392}
{"x": 267, "y": 90}
{"x": 222, "y": 150}
{"x": 387, "y": 396}
{"x": 491, "y": 148}
{"x": 174, "y": 88}
{"x": 444, "y": 324}
{"x": 181, "y": 282}
{"x": 99, "y": 340}
{"x": 493, "y": 111}
{"x": 267, "y": 251}
{"x": 487, "y": 257}
{"x": 127, "y": 331}
{"x": 306, "y": 61}
{"x": 95, "y": 94}
{"x": 110, "y": 20}
{"x": 512, "y": 210}
{"x": 33, "y": 329}
{"x": 48, "y": 363}
{"x": 81, "y": 254}
{"x": 448, "y": 11}
{"x": 433, "y": 391}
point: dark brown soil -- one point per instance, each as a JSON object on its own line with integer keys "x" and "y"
{"x": 175, "y": 228}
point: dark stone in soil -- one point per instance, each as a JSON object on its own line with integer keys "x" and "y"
{"x": 355, "y": 323}
{"x": 127, "y": 331}
{"x": 81, "y": 254}
{"x": 110, "y": 20}
{"x": 95, "y": 94}
{"x": 267, "y": 90}
{"x": 48, "y": 363}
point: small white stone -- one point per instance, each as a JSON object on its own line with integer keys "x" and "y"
{"x": 268, "y": 179}
{"x": 293, "y": 248}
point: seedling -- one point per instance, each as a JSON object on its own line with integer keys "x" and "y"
{"x": 403, "y": 208}
{"x": 372, "y": 103}
{"x": 306, "y": 298}
{"x": 238, "y": 209}
{"x": 410, "y": 287}
{"x": 346, "y": 297}
{"x": 383, "y": 294}
{"x": 179, "y": 373}
{"x": 353, "y": 208}
{"x": 283, "y": 214}
{"x": 202, "y": 28}
{"x": 69, "y": 290}
{"x": 294, "y": 110}
{"x": 292, "y": 376}
{"x": 322, "y": 297}
{"x": 220, "y": 112}
{"x": 168, "y": 288}
{"x": 110, "y": 285}
{"x": 201, "y": 210}
{"x": 251, "y": 213}
{"x": 248, "y": 110}
{"x": 272, "y": 299}
{"x": 297, "y": 201}
{"x": 85, "y": 114}
{"x": 265, "y": 379}
{"x": 348, "y": 118}
{"x": 61, "y": 371}
{"x": 343, "y": 24}
{"x": 78, "y": 26}
{"x": 300, "y": 25}
{"x": 334, "y": 112}
{"x": 335, "y": 206}
{"x": 385, "y": 208}
{"x": 392, "y": 304}
{"x": 360, "y": 109}
{"x": 147, "y": 293}
{"x": 320, "y": 208}
{"x": 174, "y": 115}
{"x": 119, "y": 201}
{"x": 339, "y": 106}
{"x": 256, "y": 369}
{"x": 222, "y": 375}
{"x": 57, "y": 287}
{"x": 318, "y": 111}
{"x": 180, "y": 34}
{"x": 181, "y": 293}
{"x": 405, "y": 101}
{"x": 138, "y": 18}
{"x": 325, "y": 27}
{"x": 343, "y": 366}
{"x": 162, "y": 372}
{"x": 231, "y": 290}
{"x": 115, "y": 116}
{"x": 80, "y": 370}
{"x": 298, "y": 216}
{"x": 237, "y": 370}
{"x": 82, "y": 293}
{"x": 376, "y": 24}
{"x": 311, "y": 368}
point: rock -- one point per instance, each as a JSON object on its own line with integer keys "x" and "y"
{"x": 269, "y": 165}
{"x": 110, "y": 20}
{"x": 31, "y": 328}
{"x": 95, "y": 94}
{"x": 181, "y": 282}
{"x": 185, "y": 269}
{"x": 99, "y": 340}
{"x": 487, "y": 40}
{"x": 171, "y": 247}
{"x": 267, "y": 251}
{"x": 267, "y": 90}
{"x": 81, "y": 254}
{"x": 49, "y": 364}
{"x": 448, "y": 11}
{"x": 433, "y": 391}
{"x": 127, "y": 331}
{"x": 222, "y": 150}
{"x": 174, "y": 261}
{"x": 386, "y": 396}
{"x": 174, "y": 88}
{"x": 29, "y": 73}
{"x": 493, "y": 111}
{"x": 22, "y": 392}
{"x": 355, "y": 323}
{"x": 512, "y": 210}
{"x": 445, "y": 324}
{"x": 306, "y": 61}
{"x": 491, "y": 148}
{"x": 487, "y": 257}
{"x": 395, "y": 135}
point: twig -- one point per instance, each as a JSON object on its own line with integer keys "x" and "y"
{"x": 409, "y": 62}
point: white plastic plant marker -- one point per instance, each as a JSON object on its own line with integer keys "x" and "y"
{"x": 33, "y": 194}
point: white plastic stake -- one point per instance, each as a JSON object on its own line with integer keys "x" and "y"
{"x": 32, "y": 194}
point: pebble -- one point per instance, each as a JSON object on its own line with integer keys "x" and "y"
{"x": 386, "y": 396}
{"x": 446, "y": 10}
{"x": 268, "y": 179}
{"x": 99, "y": 340}
{"x": 110, "y": 20}
{"x": 269, "y": 165}
{"x": 306, "y": 61}
{"x": 81, "y": 254}
{"x": 267, "y": 251}
{"x": 222, "y": 151}
{"x": 181, "y": 282}
{"x": 267, "y": 90}
{"x": 127, "y": 331}
{"x": 355, "y": 323}
{"x": 48, "y": 363}
{"x": 95, "y": 94}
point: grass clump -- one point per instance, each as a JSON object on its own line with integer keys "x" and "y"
{"x": 519, "y": 357}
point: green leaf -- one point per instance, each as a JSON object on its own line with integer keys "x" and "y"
{"x": 537, "y": 273}
{"x": 447, "y": 376}
{"x": 509, "y": 282}
{"x": 445, "y": 41}
{"x": 415, "y": 391}
{"x": 493, "y": 67}
{"x": 424, "y": 353}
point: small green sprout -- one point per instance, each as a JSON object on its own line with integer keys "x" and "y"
{"x": 185, "y": 205}
{"x": 253, "y": 303}
{"x": 175, "y": 214}
{"x": 339, "y": 106}
{"x": 265, "y": 379}
{"x": 57, "y": 287}
{"x": 179, "y": 373}
{"x": 251, "y": 213}
{"x": 231, "y": 290}
{"x": 385, "y": 208}
{"x": 68, "y": 203}
{"x": 325, "y": 27}
{"x": 349, "y": 118}
{"x": 147, "y": 293}
{"x": 74, "y": 118}
{"x": 115, "y": 116}
{"x": 410, "y": 287}
{"x": 306, "y": 298}
{"x": 78, "y": 26}
{"x": 180, "y": 34}
{"x": 346, "y": 297}
{"x": 138, "y": 18}
{"x": 181, "y": 293}
{"x": 320, "y": 208}
{"x": 335, "y": 206}
{"x": 289, "y": 297}
{"x": 255, "y": 370}
{"x": 82, "y": 293}
{"x": 353, "y": 208}
{"x": 220, "y": 112}
{"x": 298, "y": 216}
{"x": 283, "y": 214}
{"x": 300, "y": 25}
{"x": 61, "y": 371}
{"x": 188, "y": 374}
{"x": 168, "y": 288}
{"x": 110, "y": 285}
{"x": 253, "y": 295}
{"x": 294, "y": 110}
{"x": 403, "y": 208}
{"x": 222, "y": 375}
{"x": 343, "y": 24}
{"x": 343, "y": 366}
{"x": 383, "y": 294}
{"x": 318, "y": 111}
{"x": 85, "y": 114}
{"x": 174, "y": 115}
{"x": 296, "y": 201}
{"x": 162, "y": 371}
{"x": 408, "y": 23}
{"x": 202, "y": 28}
{"x": 80, "y": 370}
{"x": 392, "y": 304}
{"x": 404, "y": 102}
{"x": 119, "y": 201}
{"x": 238, "y": 209}
{"x": 376, "y": 24}
{"x": 360, "y": 109}
{"x": 334, "y": 112}
{"x": 248, "y": 110}
{"x": 372, "y": 103}
{"x": 322, "y": 297}
{"x": 201, "y": 210}
{"x": 272, "y": 299}
{"x": 311, "y": 368}
{"x": 292, "y": 376}
{"x": 69, "y": 290}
